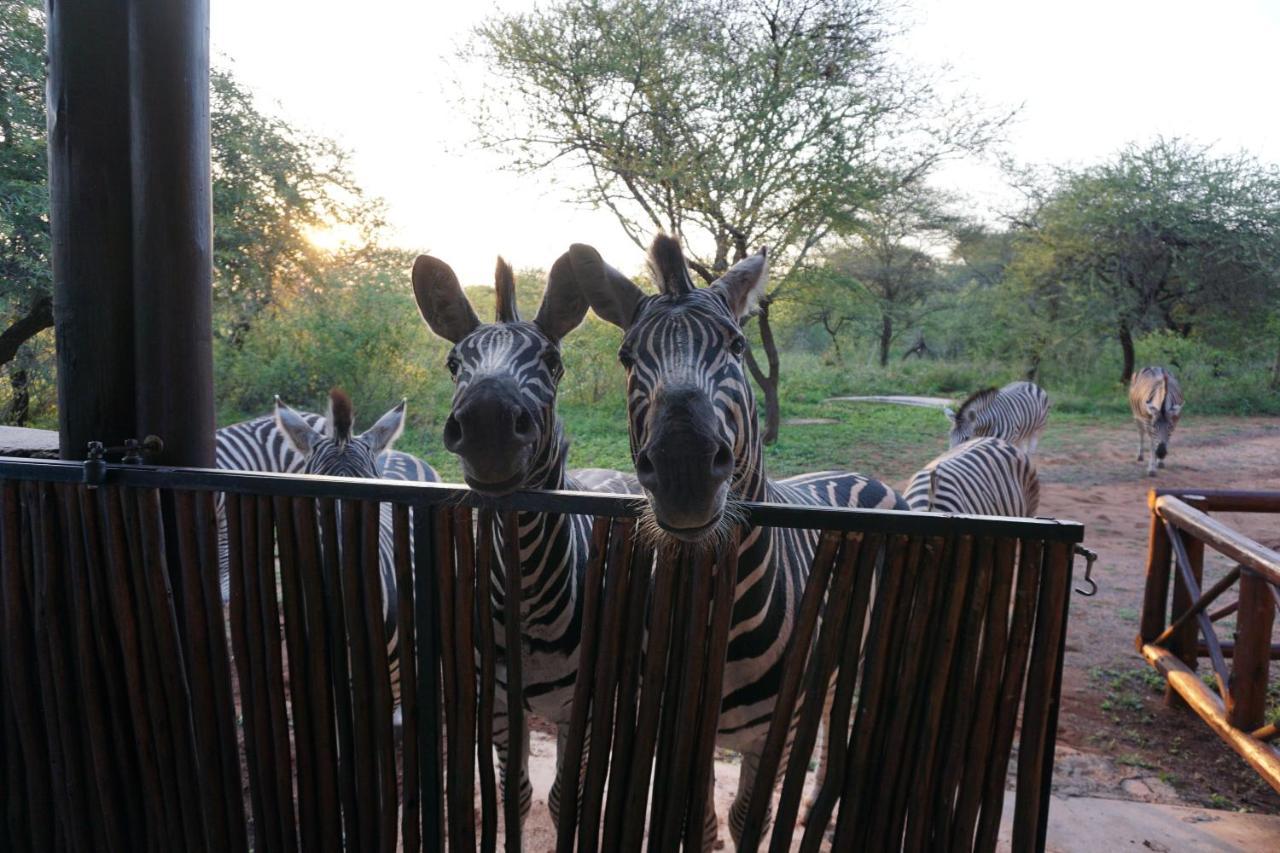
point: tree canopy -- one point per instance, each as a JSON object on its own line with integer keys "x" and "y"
{"x": 1166, "y": 236}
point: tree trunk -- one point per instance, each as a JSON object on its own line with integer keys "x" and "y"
{"x": 768, "y": 382}
{"x": 886, "y": 337}
{"x": 20, "y": 403}
{"x": 1275, "y": 371}
{"x": 1033, "y": 371}
{"x": 36, "y": 320}
{"x": 1126, "y": 348}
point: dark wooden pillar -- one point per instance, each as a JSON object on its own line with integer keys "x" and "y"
{"x": 130, "y": 210}
{"x": 90, "y": 221}
{"x": 172, "y": 226}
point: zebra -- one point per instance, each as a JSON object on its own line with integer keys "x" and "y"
{"x": 1156, "y": 400}
{"x": 504, "y": 428}
{"x": 1016, "y": 413}
{"x": 982, "y": 476}
{"x": 289, "y": 441}
{"x": 697, "y": 449}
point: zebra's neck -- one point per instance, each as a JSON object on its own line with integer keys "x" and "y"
{"x": 553, "y": 553}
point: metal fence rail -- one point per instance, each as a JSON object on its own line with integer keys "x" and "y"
{"x": 1175, "y": 633}
{"x": 138, "y": 713}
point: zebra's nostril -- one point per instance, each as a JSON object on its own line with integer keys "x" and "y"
{"x": 524, "y": 424}
{"x": 452, "y": 434}
{"x": 722, "y": 462}
{"x": 644, "y": 468}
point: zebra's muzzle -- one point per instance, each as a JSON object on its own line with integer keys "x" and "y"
{"x": 1162, "y": 450}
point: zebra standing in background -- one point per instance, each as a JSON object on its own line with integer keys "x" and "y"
{"x": 982, "y": 476}
{"x": 696, "y": 444}
{"x": 504, "y": 428}
{"x": 299, "y": 442}
{"x": 1156, "y": 400}
{"x": 1016, "y": 413}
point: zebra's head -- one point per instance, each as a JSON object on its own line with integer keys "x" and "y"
{"x": 1164, "y": 415}
{"x": 964, "y": 420}
{"x": 336, "y": 452}
{"x": 692, "y": 416}
{"x": 502, "y": 425}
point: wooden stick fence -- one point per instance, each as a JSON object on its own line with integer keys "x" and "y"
{"x": 138, "y": 713}
{"x": 1174, "y": 634}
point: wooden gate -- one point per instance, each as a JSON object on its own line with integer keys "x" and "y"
{"x": 140, "y": 714}
{"x": 1176, "y": 631}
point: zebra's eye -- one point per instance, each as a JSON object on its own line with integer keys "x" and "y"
{"x": 454, "y": 365}
{"x": 552, "y": 359}
{"x": 625, "y": 359}
{"x": 738, "y": 346}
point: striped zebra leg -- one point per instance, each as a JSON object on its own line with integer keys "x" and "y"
{"x": 562, "y": 746}
{"x": 1142, "y": 441}
{"x": 742, "y": 799}
{"x": 501, "y": 741}
{"x": 710, "y": 825}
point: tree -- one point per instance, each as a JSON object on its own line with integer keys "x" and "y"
{"x": 272, "y": 184}
{"x": 732, "y": 125}
{"x": 26, "y": 306}
{"x": 888, "y": 256}
{"x": 1167, "y": 236}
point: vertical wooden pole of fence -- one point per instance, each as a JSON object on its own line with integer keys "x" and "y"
{"x": 1040, "y": 711}
{"x": 464, "y": 649}
{"x": 580, "y": 714}
{"x": 1155, "y": 598}
{"x": 427, "y": 615}
{"x": 511, "y": 618}
{"x": 484, "y": 642}
{"x": 1250, "y": 665}
{"x": 443, "y": 526}
{"x": 410, "y": 831}
{"x": 1183, "y": 642}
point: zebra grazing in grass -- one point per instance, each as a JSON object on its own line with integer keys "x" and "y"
{"x": 697, "y": 449}
{"x": 1016, "y": 413}
{"x": 982, "y": 476}
{"x": 299, "y": 442}
{"x": 505, "y": 431}
{"x": 1156, "y": 400}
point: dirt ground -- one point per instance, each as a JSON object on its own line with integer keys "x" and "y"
{"x": 1117, "y": 738}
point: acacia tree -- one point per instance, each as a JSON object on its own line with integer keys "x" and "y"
{"x": 1167, "y": 236}
{"x": 730, "y": 124}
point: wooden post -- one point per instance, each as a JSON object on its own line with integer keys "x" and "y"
{"x": 172, "y": 226}
{"x": 89, "y": 203}
{"x": 1183, "y": 643}
{"x": 1250, "y": 666}
{"x": 1156, "y": 592}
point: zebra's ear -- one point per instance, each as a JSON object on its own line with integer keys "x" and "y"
{"x": 612, "y": 295}
{"x": 564, "y": 303}
{"x": 384, "y": 433}
{"x": 296, "y": 430}
{"x": 440, "y": 299}
{"x": 744, "y": 284}
{"x": 1175, "y": 409}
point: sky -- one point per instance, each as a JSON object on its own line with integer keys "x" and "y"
{"x": 383, "y": 78}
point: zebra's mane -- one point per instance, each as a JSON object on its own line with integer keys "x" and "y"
{"x": 504, "y": 290}
{"x": 342, "y": 414}
{"x": 978, "y": 401}
{"x": 668, "y": 267}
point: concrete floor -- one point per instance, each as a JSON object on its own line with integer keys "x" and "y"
{"x": 1093, "y": 825}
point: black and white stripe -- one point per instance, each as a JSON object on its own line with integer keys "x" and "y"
{"x": 1017, "y": 413}
{"x": 1155, "y": 398}
{"x": 982, "y": 476}
{"x": 690, "y": 338}
{"x": 521, "y": 360}
{"x": 261, "y": 445}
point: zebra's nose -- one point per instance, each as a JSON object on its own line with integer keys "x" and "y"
{"x": 488, "y": 426}
{"x": 1162, "y": 450}
{"x": 709, "y": 466}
